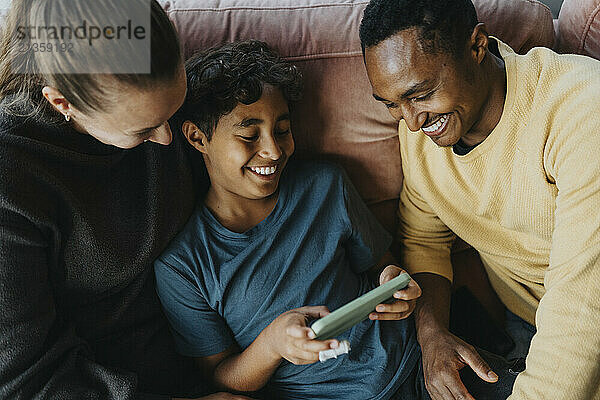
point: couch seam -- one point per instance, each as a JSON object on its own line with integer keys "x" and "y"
{"x": 317, "y": 56}
{"x": 586, "y": 29}
{"x": 540, "y": 33}
{"x": 300, "y": 57}
{"x": 172, "y": 9}
{"x": 540, "y": 4}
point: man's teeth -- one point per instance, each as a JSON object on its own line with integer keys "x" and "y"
{"x": 264, "y": 170}
{"x": 436, "y": 126}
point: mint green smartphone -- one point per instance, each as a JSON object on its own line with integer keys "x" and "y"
{"x": 358, "y": 309}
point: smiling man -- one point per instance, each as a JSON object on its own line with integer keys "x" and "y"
{"x": 502, "y": 150}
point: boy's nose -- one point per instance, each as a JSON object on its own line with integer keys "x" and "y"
{"x": 270, "y": 149}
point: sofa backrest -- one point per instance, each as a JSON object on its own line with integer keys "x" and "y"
{"x": 523, "y": 24}
{"x": 338, "y": 117}
{"x": 579, "y": 27}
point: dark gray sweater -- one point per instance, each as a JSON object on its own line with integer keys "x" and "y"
{"x": 80, "y": 224}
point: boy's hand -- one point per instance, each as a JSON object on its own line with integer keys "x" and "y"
{"x": 406, "y": 298}
{"x": 289, "y": 337}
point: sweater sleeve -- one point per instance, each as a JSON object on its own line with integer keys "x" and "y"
{"x": 425, "y": 241}
{"x": 41, "y": 356}
{"x": 564, "y": 358}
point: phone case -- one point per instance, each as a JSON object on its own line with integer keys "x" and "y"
{"x": 358, "y": 309}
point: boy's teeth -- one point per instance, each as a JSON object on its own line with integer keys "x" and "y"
{"x": 264, "y": 170}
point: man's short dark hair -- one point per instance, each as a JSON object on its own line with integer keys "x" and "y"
{"x": 442, "y": 25}
{"x": 222, "y": 77}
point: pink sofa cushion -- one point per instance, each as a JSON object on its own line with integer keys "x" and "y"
{"x": 522, "y": 24}
{"x": 579, "y": 27}
{"x": 338, "y": 117}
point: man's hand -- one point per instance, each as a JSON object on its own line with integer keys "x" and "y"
{"x": 406, "y": 298}
{"x": 444, "y": 355}
{"x": 288, "y": 336}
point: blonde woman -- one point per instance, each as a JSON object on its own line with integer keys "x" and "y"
{"x": 92, "y": 188}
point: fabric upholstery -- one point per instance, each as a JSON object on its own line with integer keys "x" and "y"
{"x": 522, "y": 24}
{"x": 579, "y": 27}
{"x": 338, "y": 117}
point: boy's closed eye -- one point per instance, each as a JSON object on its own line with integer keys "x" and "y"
{"x": 251, "y": 138}
{"x": 254, "y": 138}
{"x": 282, "y": 129}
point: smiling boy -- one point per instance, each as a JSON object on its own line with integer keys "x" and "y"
{"x": 274, "y": 244}
{"x": 277, "y": 243}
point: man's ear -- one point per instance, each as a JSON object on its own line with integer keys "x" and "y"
{"x": 58, "y": 101}
{"x": 194, "y": 136}
{"x": 479, "y": 42}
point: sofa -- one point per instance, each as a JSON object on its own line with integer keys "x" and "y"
{"x": 338, "y": 119}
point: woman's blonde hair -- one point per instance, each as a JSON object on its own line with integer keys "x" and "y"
{"x": 84, "y": 80}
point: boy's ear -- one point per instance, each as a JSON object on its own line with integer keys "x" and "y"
{"x": 194, "y": 136}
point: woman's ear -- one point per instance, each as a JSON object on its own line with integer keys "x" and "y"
{"x": 194, "y": 136}
{"x": 58, "y": 101}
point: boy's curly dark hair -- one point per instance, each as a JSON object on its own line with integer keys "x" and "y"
{"x": 222, "y": 77}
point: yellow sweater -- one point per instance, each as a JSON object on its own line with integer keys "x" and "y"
{"x": 528, "y": 199}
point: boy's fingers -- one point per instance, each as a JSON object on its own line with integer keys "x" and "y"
{"x": 314, "y": 311}
{"x": 396, "y": 307}
{"x": 305, "y": 356}
{"x": 388, "y": 316}
{"x": 411, "y": 292}
{"x": 300, "y": 332}
{"x": 389, "y": 273}
{"x": 318, "y": 345}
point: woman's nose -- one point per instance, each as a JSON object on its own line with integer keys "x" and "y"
{"x": 162, "y": 135}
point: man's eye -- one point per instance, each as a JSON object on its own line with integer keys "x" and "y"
{"x": 282, "y": 133}
{"x": 249, "y": 138}
{"x": 421, "y": 98}
{"x": 391, "y": 105}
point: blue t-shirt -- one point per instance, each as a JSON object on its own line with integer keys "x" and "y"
{"x": 220, "y": 287}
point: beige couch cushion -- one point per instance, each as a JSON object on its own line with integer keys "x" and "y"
{"x": 338, "y": 117}
{"x": 579, "y": 27}
{"x": 522, "y": 24}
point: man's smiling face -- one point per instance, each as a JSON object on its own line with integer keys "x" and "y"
{"x": 433, "y": 92}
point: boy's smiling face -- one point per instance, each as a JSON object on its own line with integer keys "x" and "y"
{"x": 249, "y": 148}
